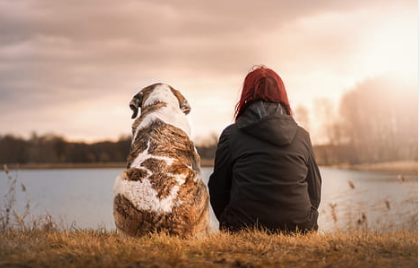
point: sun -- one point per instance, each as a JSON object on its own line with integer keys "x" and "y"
{"x": 392, "y": 49}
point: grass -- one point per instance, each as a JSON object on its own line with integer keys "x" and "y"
{"x": 99, "y": 248}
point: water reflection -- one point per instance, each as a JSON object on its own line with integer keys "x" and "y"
{"x": 350, "y": 199}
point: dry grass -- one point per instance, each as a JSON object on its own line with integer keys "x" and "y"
{"x": 84, "y": 248}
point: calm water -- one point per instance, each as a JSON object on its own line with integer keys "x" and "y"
{"x": 350, "y": 199}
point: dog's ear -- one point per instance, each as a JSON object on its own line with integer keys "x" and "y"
{"x": 135, "y": 104}
{"x": 183, "y": 103}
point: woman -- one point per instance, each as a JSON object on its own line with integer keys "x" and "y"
{"x": 265, "y": 174}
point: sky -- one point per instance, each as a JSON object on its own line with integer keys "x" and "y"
{"x": 71, "y": 67}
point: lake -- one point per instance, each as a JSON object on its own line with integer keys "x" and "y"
{"x": 350, "y": 199}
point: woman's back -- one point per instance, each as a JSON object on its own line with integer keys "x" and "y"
{"x": 265, "y": 174}
{"x": 270, "y": 157}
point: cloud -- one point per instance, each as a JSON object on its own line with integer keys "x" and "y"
{"x": 96, "y": 53}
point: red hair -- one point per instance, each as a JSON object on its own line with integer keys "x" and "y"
{"x": 262, "y": 84}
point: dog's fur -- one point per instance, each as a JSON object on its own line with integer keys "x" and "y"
{"x": 161, "y": 190}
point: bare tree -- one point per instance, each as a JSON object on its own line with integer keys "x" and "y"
{"x": 380, "y": 120}
{"x": 301, "y": 115}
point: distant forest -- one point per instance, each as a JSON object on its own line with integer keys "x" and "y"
{"x": 51, "y": 148}
{"x": 376, "y": 122}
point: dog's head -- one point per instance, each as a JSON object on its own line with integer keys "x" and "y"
{"x": 158, "y": 93}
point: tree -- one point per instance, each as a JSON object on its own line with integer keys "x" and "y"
{"x": 301, "y": 115}
{"x": 379, "y": 118}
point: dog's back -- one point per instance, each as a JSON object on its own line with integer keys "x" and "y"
{"x": 161, "y": 189}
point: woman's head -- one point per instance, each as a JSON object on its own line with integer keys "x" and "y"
{"x": 262, "y": 84}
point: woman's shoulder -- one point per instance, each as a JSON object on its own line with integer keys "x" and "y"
{"x": 304, "y": 136}
{"x": 229, "y": 134}
{"x": 303, "y": 131}
{"x": 228, "y": 130}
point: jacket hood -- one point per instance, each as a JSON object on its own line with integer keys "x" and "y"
{"x": 268, "y": 121}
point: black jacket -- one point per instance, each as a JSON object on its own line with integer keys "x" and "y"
{"x": 265, "y": 173}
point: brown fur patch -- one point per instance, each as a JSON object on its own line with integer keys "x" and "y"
{"x": 163, "y": 184}
{"x": 181, "y": 222}
{"x": 135, "y": 174}
{"x": 147, "y": 91}
{"x": 168, "y": 141}
{"x": 144, "y": 113}
{"x": 161, "y": 180}
{"x": 133, "y": 221}
{"x": 183, "y": 103}
{"x": 165, "y": 140}
{"x": 155, "y": 165}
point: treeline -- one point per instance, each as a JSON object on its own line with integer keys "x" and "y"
{"x": 54, "y": 149}
{"x": 377, "y": 121}
{"x": 51, "y": 148}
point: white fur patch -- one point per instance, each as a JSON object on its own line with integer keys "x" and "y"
{"x": 169, "y": 115}
{"x": 161, "y": 93}
{"x": 145, "y": 155}
{"x": 141, "y": 193}
{"x": 144, "y": 197}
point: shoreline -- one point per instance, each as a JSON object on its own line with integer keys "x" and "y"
{"x": 401, "y": 167}
{"x": 207, "y": 163}
{"x": 404, "y": 167}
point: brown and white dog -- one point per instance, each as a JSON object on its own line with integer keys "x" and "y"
{"x": 161, "y": 190}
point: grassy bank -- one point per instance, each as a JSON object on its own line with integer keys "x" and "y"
{"x": 248, "y": 249}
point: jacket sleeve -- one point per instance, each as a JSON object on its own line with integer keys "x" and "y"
{"x": 313, "y": 179}
{"x": 221, "y": 180}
